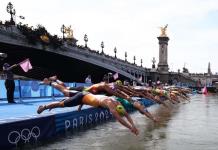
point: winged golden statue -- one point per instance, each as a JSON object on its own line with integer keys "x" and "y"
{"x": 163, "y": 31}
{"x": 69, "y": 32}
{"x": 45, "y": 38}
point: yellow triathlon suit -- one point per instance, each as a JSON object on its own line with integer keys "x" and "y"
{"x": 91, "y": 100}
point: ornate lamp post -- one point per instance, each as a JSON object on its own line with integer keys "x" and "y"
{"x": 11, "y": 11}
{"x": 109, "y": 74}
{"x": 141, "y": 62}
{"x": 85, "y": 39}
{"x": 153, "y": 62}
{"x": 102, "y": 47}
{"x": 134, "y": 59}
{"x": 63, "y": 30}
{"x": 125, "y": 56}
{"x": 115, "y": 51}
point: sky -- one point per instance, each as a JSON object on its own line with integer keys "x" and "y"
{"x": 133, "y": 26}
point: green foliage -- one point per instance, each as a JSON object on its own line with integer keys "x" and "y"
{"x": 33, "y": 35}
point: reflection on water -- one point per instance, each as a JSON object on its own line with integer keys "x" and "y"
{"x": 187, "y": 126}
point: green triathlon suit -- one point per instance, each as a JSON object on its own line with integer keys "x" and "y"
{"x": 128, "y": 105}
{"x": 124, "y": 102}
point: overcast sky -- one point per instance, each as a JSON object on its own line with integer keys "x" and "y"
{"x": 133, "y": 26}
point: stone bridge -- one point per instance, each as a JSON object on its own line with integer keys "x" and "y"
{"x": 183, "y": 78}
{"x": 69, "y": 61}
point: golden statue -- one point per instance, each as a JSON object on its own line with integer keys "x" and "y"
{"x": 45, "y": 38}
{"x": 163, "y": 31}
{"x": 69, "y": 32}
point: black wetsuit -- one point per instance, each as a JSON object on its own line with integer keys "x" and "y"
{"x": 75, "y": 100}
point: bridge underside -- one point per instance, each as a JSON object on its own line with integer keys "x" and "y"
{"x": 47, "y": 64}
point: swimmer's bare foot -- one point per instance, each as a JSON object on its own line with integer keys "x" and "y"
{"x": 46, "y": 81}
{"x": 41, "y": 108}
{"x": 53, "y": 78}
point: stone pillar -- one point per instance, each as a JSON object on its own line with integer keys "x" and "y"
{"x": 163, "y": 68}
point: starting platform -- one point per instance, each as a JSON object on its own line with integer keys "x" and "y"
{"x": 20, "y": 124}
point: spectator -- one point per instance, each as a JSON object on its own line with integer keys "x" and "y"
{"x": 125, "y": 83}
{"x": 149, "y": 83}
{"x": 134, "y": 83}
{"x": 88, "y": 79}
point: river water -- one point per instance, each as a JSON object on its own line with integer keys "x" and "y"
{"x": 185, "y": 126}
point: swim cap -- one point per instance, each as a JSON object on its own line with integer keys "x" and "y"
{"x": 120, "y": 109}
{"x": 158, "y": 90}
{"x": 165, "y": 93}
{"x": 153, "y": 91}
{"x": 118, "y": 82}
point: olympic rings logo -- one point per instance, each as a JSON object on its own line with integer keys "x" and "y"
{"x": 14, "y": 136}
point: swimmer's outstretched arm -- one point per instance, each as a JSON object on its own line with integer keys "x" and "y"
{"x": 144, "y": 111}
{"x": 158, "y": 100}
{"x": 121, "y": 94}
{"x": 130, "y": 126}
{"x": 184, "y": 97}
{"x": 149, "y": 115}
{"x": 115, "y": 92}
{"x": 131, "y": 122}
{"x": 129, "y": 119}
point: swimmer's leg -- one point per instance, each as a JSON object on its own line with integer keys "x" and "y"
{"x": 55, "y": 79}
{"x": 50, "y": 106}
{"x": 59, "y": 87}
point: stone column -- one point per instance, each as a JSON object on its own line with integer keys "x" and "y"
{"x": 163, "y": 68}
{"x": 163, "y": 54}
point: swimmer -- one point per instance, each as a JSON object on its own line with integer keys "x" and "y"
{"x": 140, "y": 93}
{"x": 140, "y": 107}
{"x": 61, "y": 87}
{"x": 109, "y": 89}
{"x": 99, "y": 88}
{"x": 82, "y": 98}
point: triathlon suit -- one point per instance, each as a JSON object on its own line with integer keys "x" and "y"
{"x": 97, "y": 100}
{"x": 93, "y": 88}
{"x": 72, "y": 93}
{"x": 175, "y": 92}
{"x": 89, "y": 99}
{"x": 159, "y": 92}
{"x": 93, "y": 100}
{"x": 75, "y": 100}
{"x": 128, "y": 104}
{"x": 74, "y": 90}
{"x": 79, "y": 88}
{"x": 98, "y": 89}
{"x": 163, "y": 94}
{"x": 124, "y": 102}
{"x": 112, "y": 86}
{"x": 133, "y": 100}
